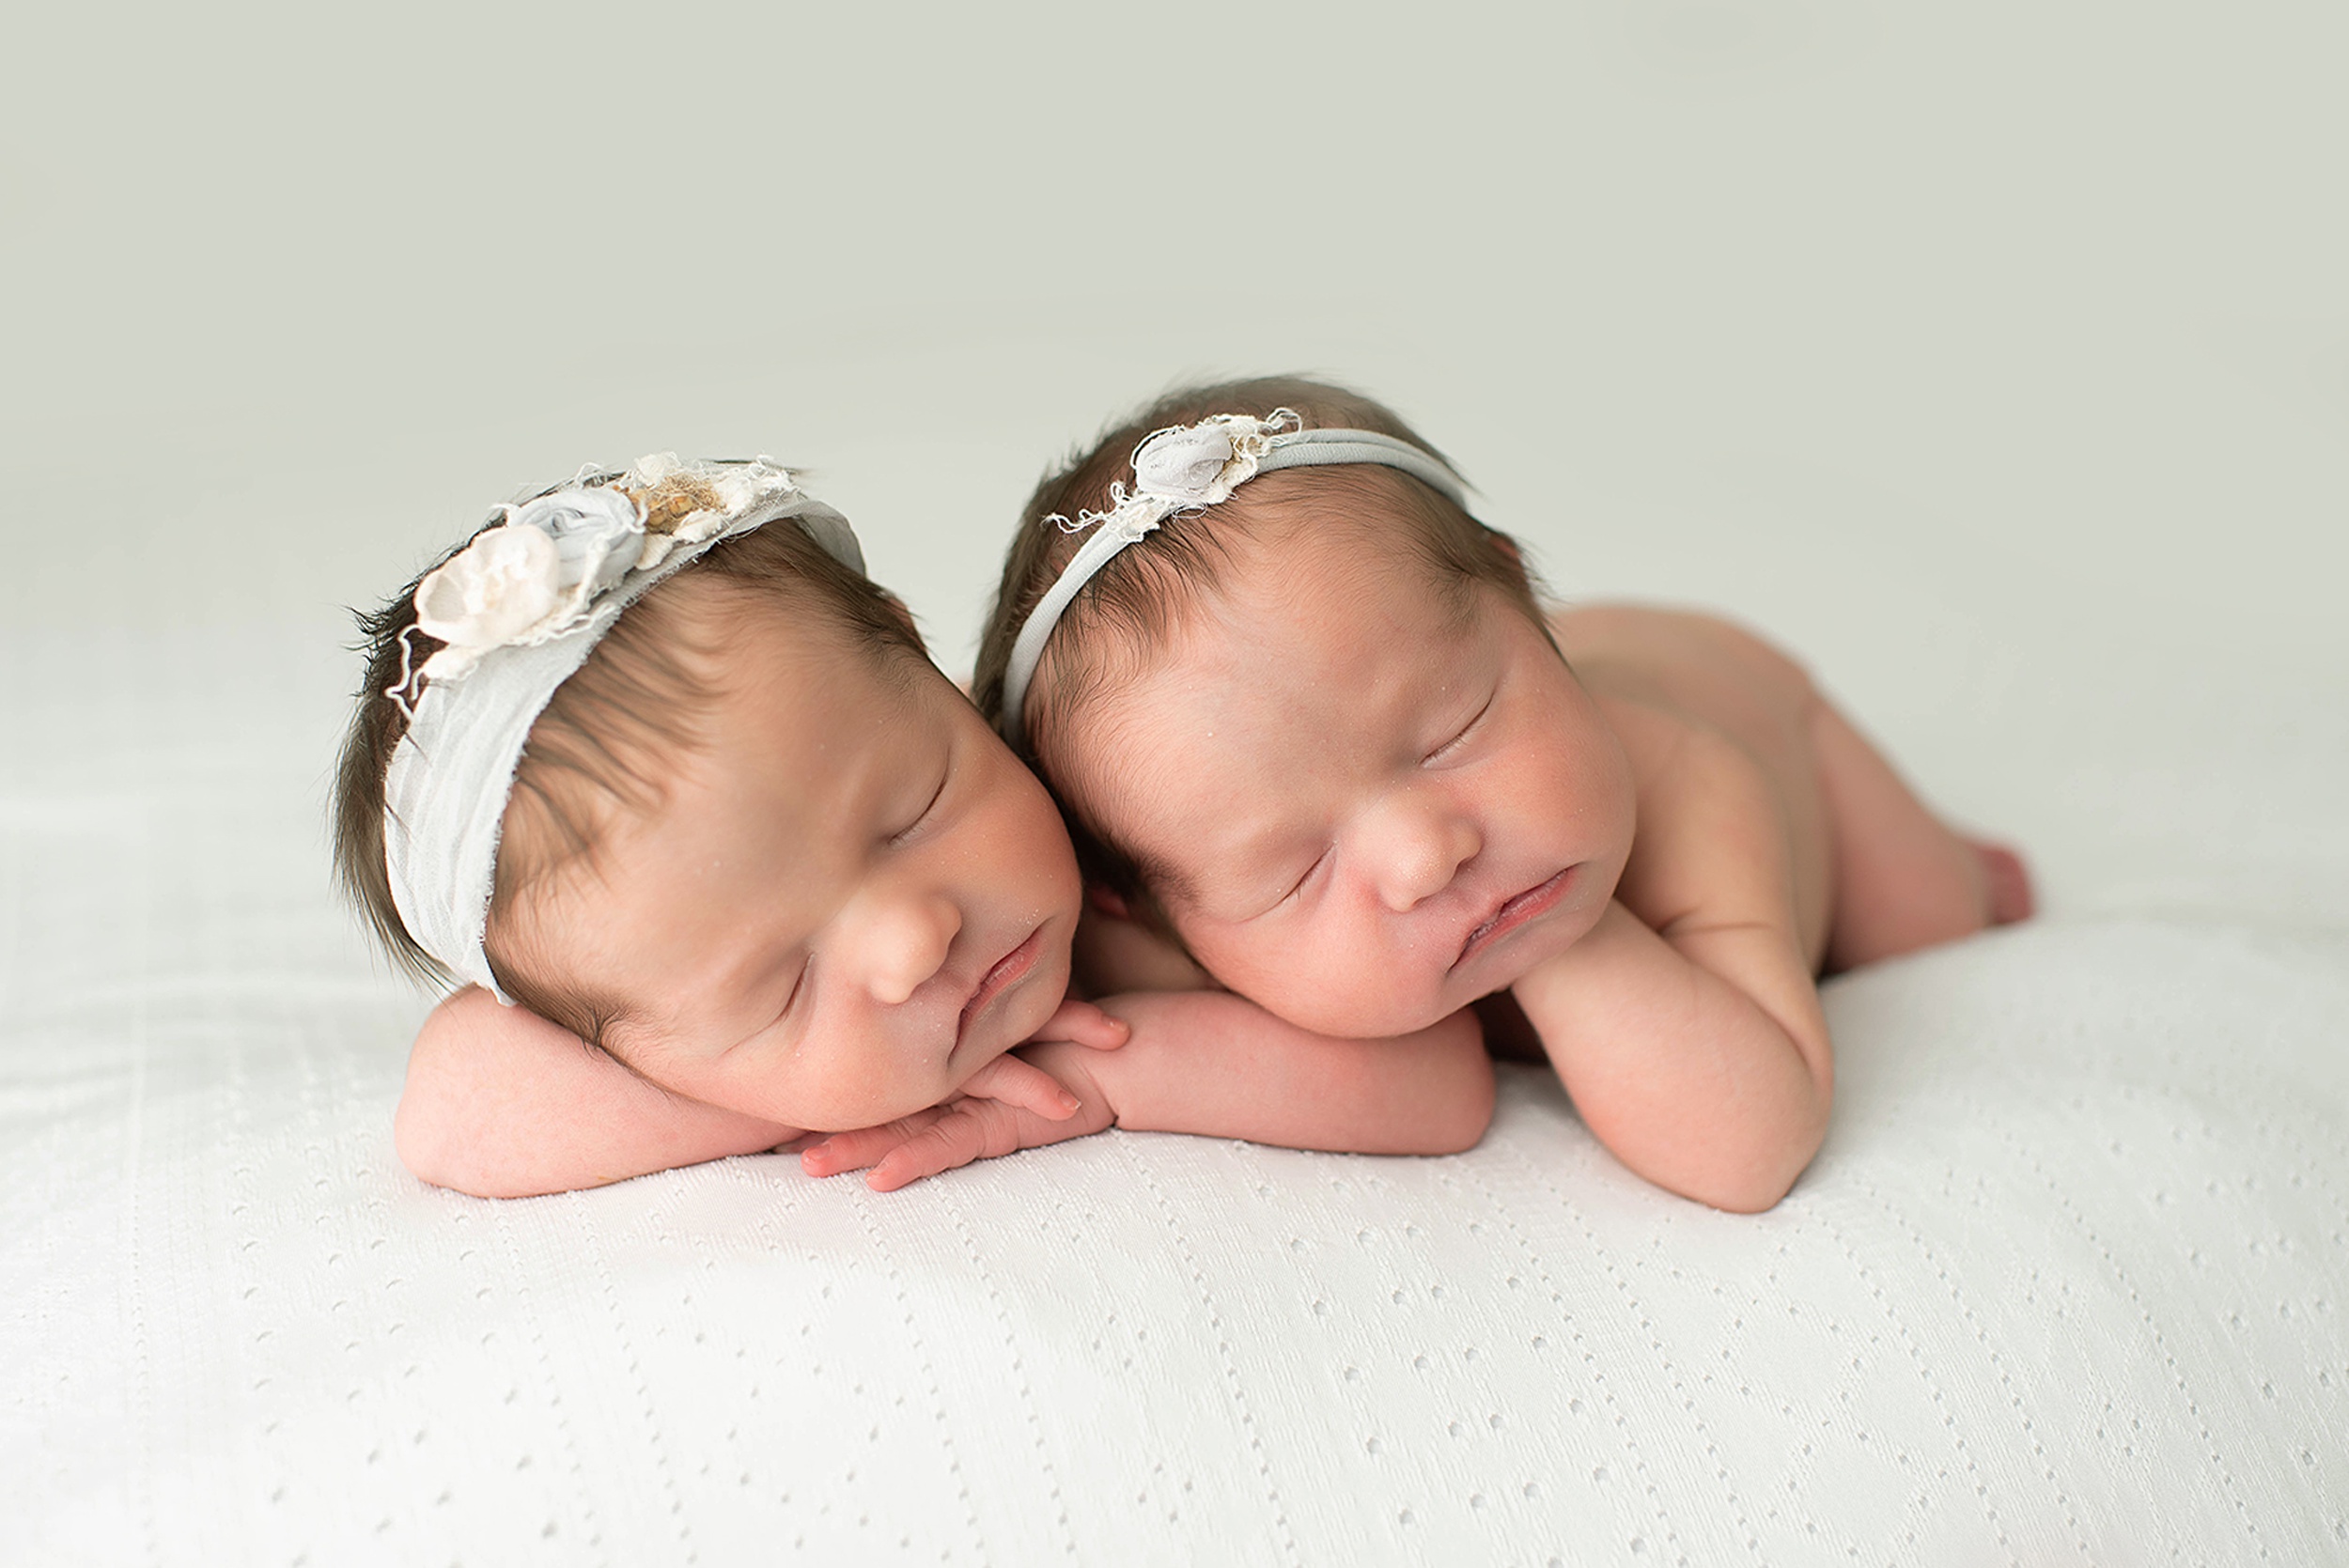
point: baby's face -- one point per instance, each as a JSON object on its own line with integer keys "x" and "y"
{"x": 1360, "y": 807}
{"x": 852, "y": 899}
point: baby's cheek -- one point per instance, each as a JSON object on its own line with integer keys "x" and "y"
{"x": 1246, "y": 963}
{"x": 819, "y": 1090}
{"x": 1338, "y": 984}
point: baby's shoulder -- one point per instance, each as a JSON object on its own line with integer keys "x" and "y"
{"x": 1713, "y": 674}
{"x": 1674, "y": 755}
{"x": 1711, "y": 836}
{"x": 1672, "y": 653}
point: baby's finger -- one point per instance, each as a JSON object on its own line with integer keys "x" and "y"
{"x": 863, "y": 1146}
{"x": 1024, "y": 1084}
{"x": 952, "y": 1140}
{"x": 1080, "y": 1023}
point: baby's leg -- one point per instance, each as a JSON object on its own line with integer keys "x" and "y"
{"x": 1903, "y": 880}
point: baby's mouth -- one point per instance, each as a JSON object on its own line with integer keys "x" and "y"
{"x": 1011, "y": 968}
{"x": 1529, "y": 906}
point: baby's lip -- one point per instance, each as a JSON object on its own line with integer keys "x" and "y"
{"x": 1007, "y": 971}
{"x": 1514, "y": 913}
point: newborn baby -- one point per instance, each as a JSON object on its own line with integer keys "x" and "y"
{"x": 1316, "y": 736}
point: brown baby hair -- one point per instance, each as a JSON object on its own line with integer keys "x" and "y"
{"x": 1137, "y": 597}
{"x": 597, "y": 748}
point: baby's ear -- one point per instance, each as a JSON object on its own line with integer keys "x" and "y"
{"x": 1507, "y": 546}
{"x": 1108, "y": 900}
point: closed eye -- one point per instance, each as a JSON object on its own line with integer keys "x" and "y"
{"x": 799, "y": 987}
{"x": 1460, "y": 737}
{"x": 927, "y": 806}
{"x": 1298, "y": 886}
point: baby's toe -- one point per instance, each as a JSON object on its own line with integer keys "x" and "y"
{"x": 2007, "y": 880}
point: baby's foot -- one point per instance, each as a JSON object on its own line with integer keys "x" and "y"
{"x": 2007, "y": 881}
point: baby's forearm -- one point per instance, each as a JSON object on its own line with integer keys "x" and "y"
{"x": 1687, "y": 1078}
{"x": 502, "y": 1104}
{"x": 1215, "y": 1065}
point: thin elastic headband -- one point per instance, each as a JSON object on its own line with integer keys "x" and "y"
{"x": 1184, "y": 467}
{"x": 518, "y": 610}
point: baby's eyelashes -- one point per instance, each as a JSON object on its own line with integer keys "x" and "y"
{"x": 1296, "y": 889}
{"x": 1460, "y": 736}
{"x": 928, "y": 806}
{"x": 799, "y": 987}
{"x": 1298, "y": 886}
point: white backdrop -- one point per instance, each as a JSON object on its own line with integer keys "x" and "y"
{"x": 1993, "y": 358}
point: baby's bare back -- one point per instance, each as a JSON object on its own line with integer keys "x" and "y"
{"x": 1874, "y": 872}
{"x": 1722, "y": 678}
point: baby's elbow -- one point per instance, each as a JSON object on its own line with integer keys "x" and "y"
{"x": 421, "y": 1139}
{"x": 1455, "y": 1121}
{"x": 1748, "y": 1198}
{"x": 443, "y": 1147}
{"x": 432, "y": 1152}
{"x": 1466, "y": 1121}
{"x": 1777, "y": 1155}
{"x": 1763, "y": 1184}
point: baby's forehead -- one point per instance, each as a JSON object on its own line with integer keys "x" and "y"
{"x": 766, "y": 646}
{"x": 1325, "y": 560}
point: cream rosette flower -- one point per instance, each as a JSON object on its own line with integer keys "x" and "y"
{"x": 530, "y": 579}
{"x": 1199, "y": 465}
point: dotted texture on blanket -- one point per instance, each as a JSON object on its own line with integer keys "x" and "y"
{"x": 2066, "y": 1285}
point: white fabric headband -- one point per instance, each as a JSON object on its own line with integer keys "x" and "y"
{"x": 1184, "y": 467}
{"x": 518, "y": 609}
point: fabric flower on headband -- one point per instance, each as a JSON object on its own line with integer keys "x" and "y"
{"x": 528, "y": 579}
{"x": 1199, "y": 465}
{"x": 538, "y": 573}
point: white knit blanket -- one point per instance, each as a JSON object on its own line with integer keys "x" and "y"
{"x": 2067, "y": 1285}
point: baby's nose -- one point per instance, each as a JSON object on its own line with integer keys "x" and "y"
{"x": 908, "y": 944}
{"x": 1426, "y": 850}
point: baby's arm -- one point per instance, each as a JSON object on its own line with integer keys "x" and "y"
{"x": 502, "y": 1104}
{"x": 1685, "y": 1024}
{"x": 1218, "y": 1065}
{"x": 1211, "y": 1064}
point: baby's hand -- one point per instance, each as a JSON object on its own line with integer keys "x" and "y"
{"x": 1079, "y": 1024}
{"x": 1008, "y": 1105}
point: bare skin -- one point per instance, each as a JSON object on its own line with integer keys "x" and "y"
{"x": 1875, "y": 873}
{"x": 1368, "y": 810}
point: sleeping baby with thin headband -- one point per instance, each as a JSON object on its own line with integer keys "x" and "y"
{"x": 721, "y": 862}
{"x": 1321, "y": 744}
